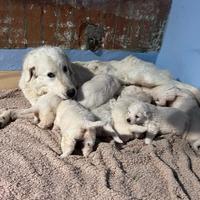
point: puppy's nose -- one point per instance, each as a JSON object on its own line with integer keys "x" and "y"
{"x": 128, "y": 120}
{"x": 1, "y": 124}
{"x": 71, "y": 93}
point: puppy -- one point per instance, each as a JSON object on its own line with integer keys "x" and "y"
{"x": 157, "y": 119}
{"x": 185, "y": 101}
{"x": 98, "y": 90}
{"x": 136, "y": 92}
{"x": 76, "y": 123}
{"x": 103, "y": 113}
{"x": 44, "y": 110}
{"x": 120, "y": 108}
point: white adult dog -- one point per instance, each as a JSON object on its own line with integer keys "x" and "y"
{"x": 48, "y": 69}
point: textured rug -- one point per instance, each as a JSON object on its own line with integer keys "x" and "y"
{"x": 30, "y": 167}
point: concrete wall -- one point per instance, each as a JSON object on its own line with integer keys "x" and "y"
{"x": 180, "y": 52}
{"x": 112, "y": 24}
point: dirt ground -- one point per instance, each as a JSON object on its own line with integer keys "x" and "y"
{"x": 9, "y": 79}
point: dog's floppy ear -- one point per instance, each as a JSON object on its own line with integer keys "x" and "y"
{"x": 31, "y": 72}
{"x": 147, "y": 114}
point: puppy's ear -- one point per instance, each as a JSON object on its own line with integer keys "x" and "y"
{"x": 147, "y": 114}
{"x": 30, "y": 73}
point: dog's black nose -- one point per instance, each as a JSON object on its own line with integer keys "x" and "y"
{"x": 1, "y": 124}
{"x": 128, "y": 120}
{"x": 71, "y": 93}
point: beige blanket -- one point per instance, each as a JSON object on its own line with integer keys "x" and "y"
{"x": 30, "y": 167}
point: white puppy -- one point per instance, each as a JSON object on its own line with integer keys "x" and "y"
{"x": 98, "y": 90}
{"x": 44, "y": 110}
{"x": 135, "y": 92}
{"x": 156, "y": 120}
{"x": 76, "y": 123}
{"x": 118, "y": 112}
{"x": 103, "y": 113}
{"x": 185, "y": 101}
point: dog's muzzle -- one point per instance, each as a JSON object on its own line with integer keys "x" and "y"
{"x": 71, "y": 93}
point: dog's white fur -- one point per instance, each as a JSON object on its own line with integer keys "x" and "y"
{"x": 44, "y": 110}
{"x": 41, "y": 61}
{"x": 130, "y": 70}
{"x": 37, "y": 64}
{"x": 185, "y": 101}
{"x": 136, "y": 92}
{"x": 98, "y": 90}
{"x": 103, "y": 113}
{"x": 120, "y": 109}
{"x": 5, "y": 117}
{"x": 164, "y": 120}
{"x": 77, "y": 123}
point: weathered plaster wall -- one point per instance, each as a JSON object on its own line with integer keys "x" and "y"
{"x": 111, "y": 24}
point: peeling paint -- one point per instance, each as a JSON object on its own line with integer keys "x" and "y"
{"x": 136, "y": 25}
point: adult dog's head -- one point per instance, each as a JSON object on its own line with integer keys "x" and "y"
{"x": 47, "y": 69}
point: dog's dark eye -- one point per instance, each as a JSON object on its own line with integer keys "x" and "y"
{"x": 136, "y": 116}
{"x": 65, "y": 69}
{"x": 51, "y": 75}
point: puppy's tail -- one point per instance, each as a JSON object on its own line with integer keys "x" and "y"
{"x": 90, "y": 124}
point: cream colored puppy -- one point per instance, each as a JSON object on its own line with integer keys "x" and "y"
{"x": 136, "y": 92}
{"x": 98, "y": 90}
{"x": 44, "y": 110}
{"x": 119, "y": 121}
{"x": 103, "y": 113}
{"x": 156, "y": 120}
{"x": 120, "y": 108}
{"x": 76, "y": 123}
{"x": 185, "y": 101}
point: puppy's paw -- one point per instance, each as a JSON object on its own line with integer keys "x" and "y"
{"x": 44, "y": 126}
{"x": 64, "y": 155}
{"x": 5, "y": 118}
{"x": 147, "y": 141}
{"x": 86, "y": 152}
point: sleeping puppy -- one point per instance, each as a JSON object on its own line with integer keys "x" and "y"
{"x": 76, "y": 123}
{"x": 156, "y": 120}
{"x": 98, "y": 90}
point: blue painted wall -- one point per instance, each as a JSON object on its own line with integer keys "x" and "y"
{"x": 11, "y": 59}
{"x": 180, "y": 52}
